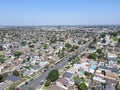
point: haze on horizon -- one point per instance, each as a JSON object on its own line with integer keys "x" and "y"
{"x": 59, "y": 12}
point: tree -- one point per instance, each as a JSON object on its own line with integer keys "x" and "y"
{"x": 23, "y": 43}
{"x": 45, "y": 46}
{"x": 114, "y": 34}
{"x": 53, "y": 40}
{"x": 79, "y": 42}
{"x": 68, "y": 45}
{"x": 61, "y": 54}
{"x": 118, "y": 61}
{"x": 74, "y": 47}
{"x": 93, "y": 56}
{"x": 1, "y": 77}
{"x": 118, "y": 87}
{"x": 1, "y": 47}
{"x": 17, "y": 53}
{"x": 4, "y": 75}
{"x": 87, "y": 73}
{"x": 103, "y": 35}
{"x": 2, "y": 60}
{"x": 31, "y": 46}
{"x": 103, "y": 41}
{"x": 99, "y": 51}
{"x": 47, "y": 83}
{"x": 94, "y": 41}
{"x": 103, "y": 72}
{"x": 82, "y": 86}
{"x": 16, "y": 73}
{"x": 53, "y": 75}
{"x": 119, "y": 40}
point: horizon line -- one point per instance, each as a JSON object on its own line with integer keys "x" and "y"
{"x": 63, "y": 25}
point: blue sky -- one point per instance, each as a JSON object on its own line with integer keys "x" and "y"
{"x": 59, "y": 12}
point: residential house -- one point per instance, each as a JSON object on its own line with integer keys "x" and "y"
{"x": 112, "y": 58}
{"x": 54, "y": 87}
{"x": 72, "y": 70}
{"x": 36, "y": 68}
{"x": 28, "y": 72}
{"x": 67, "y": 75}
{"x": 42, "y": 64}
{"x": 13, "y": 78}
{"x": 99, "y": 79}
{"x": 5, "y": 85}
{"x": 62, "y": 83}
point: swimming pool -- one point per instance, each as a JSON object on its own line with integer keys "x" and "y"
{"x": 94, "y": 66}
{"x": 81, "y": 72}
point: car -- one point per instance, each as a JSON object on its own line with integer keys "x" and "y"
{"x": 41, "y": 82}
{"x": 26, "y": 83}
{"x": 46, "y": 69}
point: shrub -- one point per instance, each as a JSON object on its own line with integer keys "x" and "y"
{"x": 47, "y": 83}
{"x": 16, "y": 73}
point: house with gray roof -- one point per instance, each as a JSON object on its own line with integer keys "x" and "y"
{"x": 28, "y": 72}
{"x": 67, "y": 75}
{"x": 13, "y": 78}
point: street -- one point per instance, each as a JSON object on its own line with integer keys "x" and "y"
{"x": 36, "y": 82}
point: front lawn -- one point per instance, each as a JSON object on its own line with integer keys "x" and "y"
{"x": 115, "y": 39}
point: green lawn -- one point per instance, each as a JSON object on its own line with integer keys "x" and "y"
{"x": 78, "y": 78}
{"x": 115, "y": 39}
{"x": 2, "y": 60}
{"x": 61, "y": 73}
{"x": 46, "y": 88}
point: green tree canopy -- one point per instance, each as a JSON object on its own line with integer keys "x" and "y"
{"x": 68, "y": 45}
{"x": 103, "y": 41}
{"x": 16, "y": 73}
{"x": 103, "y": 35}
{"x": 103, "y": 72}
{"x": 47, "y": 83}
{"x": 93, "y": 56}
{"x": 61, "y": 54}
{"x": 2, "y": 60}
{"x": 82, "y": 86}
{"x": 17, "y": 53}
{"x": 53, "y": 40}
{"x": 1, "y": 77}
{"x": 113, "y": 34}
{"x": 118, "y": 61}
{"x": 119, "y": 40}
{"x": 1, "y": 47}
{"x": 53, "y": 75}
{"x": 118, "y": 87}
{"x": 45, "y": 46}
{"x": 99, "y": 51}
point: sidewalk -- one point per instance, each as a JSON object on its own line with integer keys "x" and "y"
{"x": 40, "y": 88}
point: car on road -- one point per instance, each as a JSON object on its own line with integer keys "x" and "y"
{"x": 26, "y": 83}
{"x": 46, "y": 70}
{"x": 41, "y": 82}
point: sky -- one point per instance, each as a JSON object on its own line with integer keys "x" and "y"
{"x": 59, "y": 12}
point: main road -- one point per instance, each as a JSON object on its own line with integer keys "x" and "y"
{"x": 42, "y": 77}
